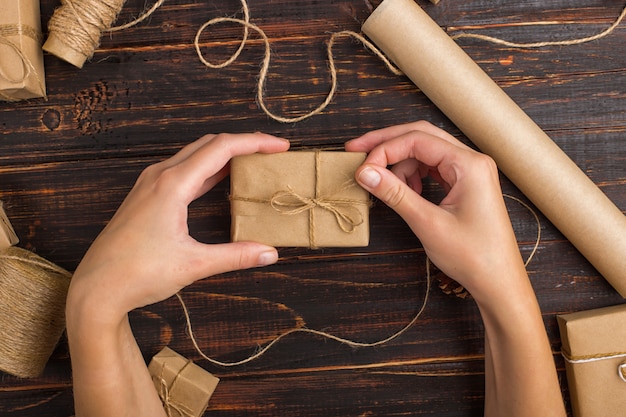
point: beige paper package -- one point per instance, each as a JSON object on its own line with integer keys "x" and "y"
{"x": 21, "y": 58}
{"x": 299, "y": 199}
{"x": 8, "y": 237}
{"x": 490, "y": 119}
{"x": 594, "y": 347}
{"x": 184, "y": 387}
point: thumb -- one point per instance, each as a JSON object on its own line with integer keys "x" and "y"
{"x": 226, "y": 257}
{"x": 382, "y": 183}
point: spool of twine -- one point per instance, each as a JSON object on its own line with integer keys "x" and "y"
{"x": 32, "y": 310}
{"x": 76, "y": 27}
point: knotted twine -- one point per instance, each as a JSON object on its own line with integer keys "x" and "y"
{"x": 170, "y": 404}
{"x": 32, "y": 310}
{"x": 290, "y": 203}
{"x": 8, "y": 31}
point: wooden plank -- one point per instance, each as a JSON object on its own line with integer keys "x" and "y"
{"x": 67, "y": 163}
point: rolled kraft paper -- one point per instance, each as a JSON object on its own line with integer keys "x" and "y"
{"x": 490, "y": 118}
{"x": 32, "y": 311}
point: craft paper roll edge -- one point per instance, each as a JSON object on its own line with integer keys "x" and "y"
{"x": 524, "y": 153}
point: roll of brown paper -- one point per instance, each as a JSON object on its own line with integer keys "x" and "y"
{"x": 490, "y": 119}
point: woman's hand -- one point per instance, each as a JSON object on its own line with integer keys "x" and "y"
{"x": 145, "y": 254}
{"x": 468, "y": 235}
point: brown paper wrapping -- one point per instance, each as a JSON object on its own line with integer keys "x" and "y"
{"x": 8, "y": 237}
{"x": 21, "y": 58}
{"x": 184, "y": 388}
{"x": 524, "y": 153}
{"x": 303, "y": 199}
{"x": 594, "y": 347}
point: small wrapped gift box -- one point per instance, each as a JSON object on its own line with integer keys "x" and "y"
{"x": 21, "y": 57}
{"x": 594, "y": 348}
{"x": 8, "y": 237}
{"x": 183, "y": 386}
{"x": 302, "y": 199}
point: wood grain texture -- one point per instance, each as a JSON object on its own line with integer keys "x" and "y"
{"x": 67, "y": 163}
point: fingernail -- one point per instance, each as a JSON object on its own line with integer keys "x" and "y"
{"x": 267, "y": 258}
{"x": 369, "y": 177}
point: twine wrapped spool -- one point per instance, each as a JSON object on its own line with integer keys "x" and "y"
{"x": 76, "y": 28}
{"x": 32, "y": 310}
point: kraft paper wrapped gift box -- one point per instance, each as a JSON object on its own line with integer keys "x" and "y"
{"x": 184, "y": 387}
{"x": 300, "y": 199}
{"x": 21, "y": 57}
{"x": 594, "y": 348}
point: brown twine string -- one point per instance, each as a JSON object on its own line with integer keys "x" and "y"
{"x": 169, "y": 403}
{"x": 566, "y": 42}
{"x": 592, "y": 358}
{"x": 32, "y": 310}
{"x": 621, "y": 368}
{"x": 80, "y": 23}
{"x": 245, "y": 22}
{"x": 7, "y": 31}
{"x": 21, "y": 30}
{"x": 351, "y": 343}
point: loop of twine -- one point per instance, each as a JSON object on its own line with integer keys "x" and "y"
{"x": 345, "y": 341}
{"x": 290, "y": 203}
{"x": 348, "y": 342}
{"x": 170, "y": 404}
{"x": 91, "y": 25}
{"x": 245, "y": 22}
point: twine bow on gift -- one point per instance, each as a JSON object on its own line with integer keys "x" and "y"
{"x": 170, "y": 404}
{"x": 289, "y": 202}
{"x": 7, "y": 31}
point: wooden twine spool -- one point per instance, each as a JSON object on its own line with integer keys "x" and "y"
{"x": 32, "y": 310}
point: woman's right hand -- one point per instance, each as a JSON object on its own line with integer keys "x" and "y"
{"x": 468, "y": 235}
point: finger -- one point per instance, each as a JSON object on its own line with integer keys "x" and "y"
{"x": 225, "y": 257}
{"x": 382, "y": 183}
{"x": 430, "y": 150}
{"x": 374, "y": 138}
{"x": 411, "y": 172}
{"x": 186, "y": 151}
{"x": 209, "y": 183}
{"x": 211, "y": 157}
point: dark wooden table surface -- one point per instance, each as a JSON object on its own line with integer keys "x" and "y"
{"x": 67, "y": 163}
